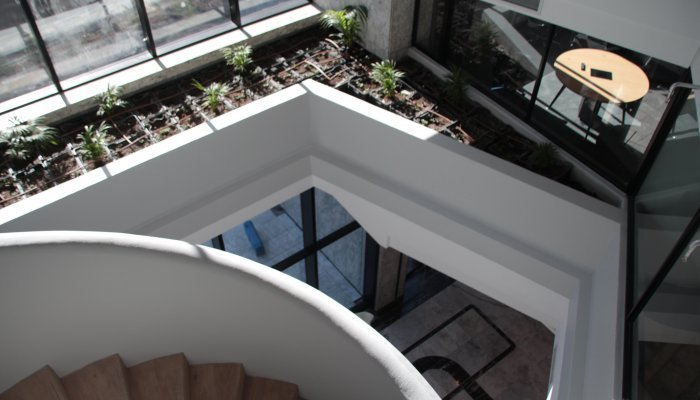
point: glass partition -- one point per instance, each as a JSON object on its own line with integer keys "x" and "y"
{"x": 330, "y": 215}
{"x": 255, "y": 10}
{"x": 669, "y": 197}
{"x": 431, "y": 27}
{"x": 341, "y": 268}
{"x": 602, "y": 102}
{"x": 22, "y": 70}
{"x": 666, "y": 351}
{"x": 86, "y": 35}
{"x": 175, "y": 23}
{"x": 501, "y": 49}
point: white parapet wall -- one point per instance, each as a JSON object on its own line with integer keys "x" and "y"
{"x": 540, "y": 247}
{"x": 69, "y": 298}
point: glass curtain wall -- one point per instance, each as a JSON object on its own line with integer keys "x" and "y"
{"x": 87, "y": 39}
{"x": 177, "y": 22}
{"x": 501, "y": 49}
{"x": 523, "y": 64}
{"x": 22, "y": 70}
{"x": 332, "y": 260}
{"x": 255, "y": 10}
{"x": 664, "y": 324}
{"x": 82, "y": 36}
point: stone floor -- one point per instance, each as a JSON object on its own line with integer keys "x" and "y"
{"x": 469, "y": 346}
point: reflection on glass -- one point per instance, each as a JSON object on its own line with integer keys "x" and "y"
{"x": 84, "y": 35}
{"x": 430, "y": 29}
{"x": 501, "y": 49}
{"x": 172, "y": 20}
{"x": 592, "y": 116}
{"x": 341, "y": 268}
{"x": 269, "y": 237}
{"x": 330, "y": 215}
{"x": 297, "y": 271}
{"x": 669, "y": 197}
{"x": 255, "y": 10}
{"x": 22, "y": 69}
{"x": 666, "y": 352}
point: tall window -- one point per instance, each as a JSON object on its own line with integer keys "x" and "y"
{"x": 174, "y": 20}
{"x": 310, "y": 237}
{"x": 86, "y": 35}
{"x": 22, "y": 69}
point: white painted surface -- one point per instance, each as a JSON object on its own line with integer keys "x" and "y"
{"x": 668, "y": 30}
{"x": 70, "y": 298}
{"x": 530, "y": 243}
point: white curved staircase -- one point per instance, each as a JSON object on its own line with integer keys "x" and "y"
{"x": 165, "y": 378}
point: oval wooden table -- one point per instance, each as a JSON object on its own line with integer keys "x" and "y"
{"x": 628, "y": 82}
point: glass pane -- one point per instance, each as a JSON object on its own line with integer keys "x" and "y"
{"x": 602, "y": 102}
{"x": 22, "y": 69}
{"x": 172, "y": 20}
{"x": 341, "y": 268}
{"x": 666, "y": 349}
{"x": 270, "y": 237}
{"x": 297, "y": 271}
{"x": 431, "y": 26}
{"x": 255, "y": 10}
{"x": 501, "y": 49}
{"x": 84, "y": 35}
{"x": 330, "y": 215}
{"x": 669, "y": 196}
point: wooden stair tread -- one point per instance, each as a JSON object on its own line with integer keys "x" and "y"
{"x": 42, "y": 384}
{"x": 164, "y": 378}
{"x": 104, "y": 379}
{"x": 217, "y": 381}
{"x": 269, "y": 389}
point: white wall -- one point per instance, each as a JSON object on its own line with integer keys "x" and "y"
{"x": 668, "y": 30}
{"x": 67, "y": 299}
{"x": 529, "y": 242}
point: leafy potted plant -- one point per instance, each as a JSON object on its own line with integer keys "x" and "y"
{"x": 25, "y": 138}
{"x": 545, "y": 161}
{"x": 239, "y": 57}
{"x": 94, "y": 143}
{"x": 387, "y": 76}
{"x": 214, "y": 94}
{"x": 110, "y": 100}
{"x": 349, "y": 21}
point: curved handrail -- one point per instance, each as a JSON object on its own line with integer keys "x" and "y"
{"x": 67, "y": 298}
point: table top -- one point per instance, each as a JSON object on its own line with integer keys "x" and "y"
{"x": 628, "y": 83}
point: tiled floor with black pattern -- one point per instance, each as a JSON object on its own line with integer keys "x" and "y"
{"x": 467, "y": 345}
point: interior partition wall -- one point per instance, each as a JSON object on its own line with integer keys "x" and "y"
{"x": 512, "y": 58}
{"x": 53, "y": 45}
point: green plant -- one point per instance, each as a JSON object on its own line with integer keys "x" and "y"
{"x": 214, "y": 94}
{"x": 483, "y": 40}
{"x": 25, "y": 138}
{"x": 349, "y": 21}
{"x": 110, "y": 100}
{"x": 453, "y": 88}
{"x": 386, "y": 75}
{"x": 239, "y": 57}
{"x": 94, "y": 141}
{"x": 543, "y": 156}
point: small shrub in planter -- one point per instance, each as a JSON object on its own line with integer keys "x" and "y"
{"x": 94, "y": 142}
{"x": 214, "y": 94}
{"x": 544, "y": 161}
{"x": 239, "y": 57}
{"x": 110, "y": 100}
{"x": 387, "y": 76}
{"x": 349, "y": 21}
{"x": 23, "y": 141}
